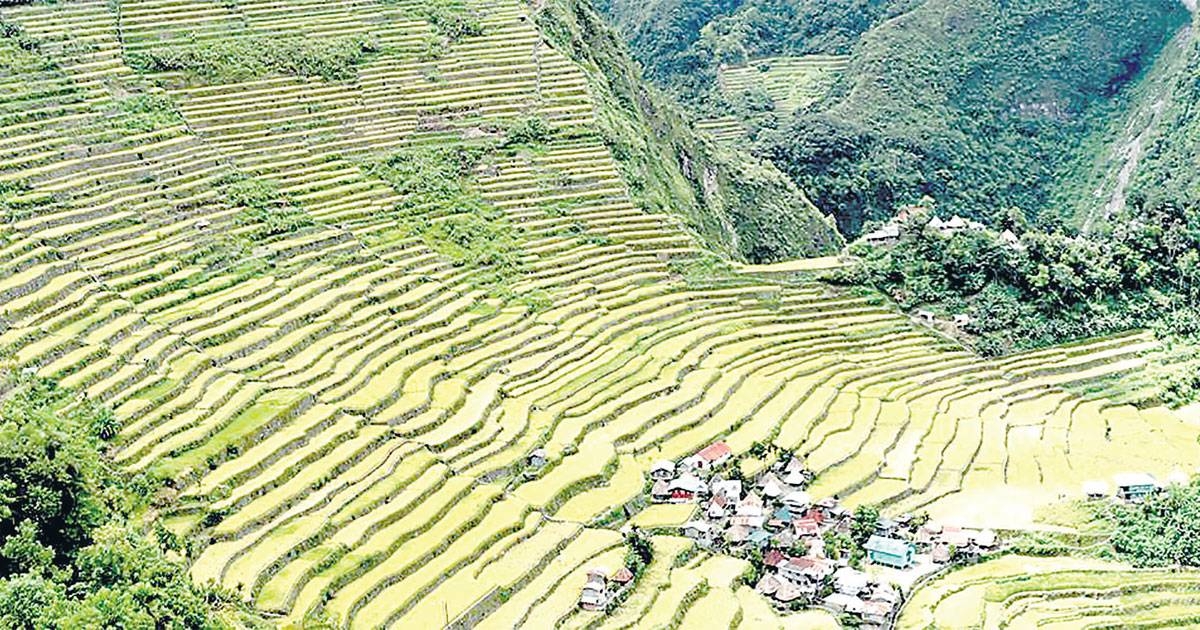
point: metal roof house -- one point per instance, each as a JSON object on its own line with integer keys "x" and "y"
{"x": 1135, "y": 486}
{"x": 890, "y": 552}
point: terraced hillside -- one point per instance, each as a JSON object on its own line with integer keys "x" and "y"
{"x": 1021, "y": 592}
{"x": 791, "y": 82}
{"x": 339, "y": 380}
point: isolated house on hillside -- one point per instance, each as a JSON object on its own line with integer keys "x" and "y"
{"x": 1135, "y": 486}
{"x": 595, "y": 590}
{"x": 885, "y": 236}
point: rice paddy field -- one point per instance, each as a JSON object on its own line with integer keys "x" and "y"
{"x": 1024, "y": 592}
{"x": 343, "y": 412}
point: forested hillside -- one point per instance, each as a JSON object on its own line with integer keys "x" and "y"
{"x": 985, "y": 106}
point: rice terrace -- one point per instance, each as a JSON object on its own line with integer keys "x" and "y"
{"x": 431, "y": 313}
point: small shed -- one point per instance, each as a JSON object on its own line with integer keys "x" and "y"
{"x": 891, "y": 552}
{"x": 1095, "y": 489}
{"x": 660, "y": 491}
{"x": 537, "y": 458}
{"x": 697, "y": 530}
{"x": 623, "y": 576}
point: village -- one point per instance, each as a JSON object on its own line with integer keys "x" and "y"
{"x": 816, "y": 553}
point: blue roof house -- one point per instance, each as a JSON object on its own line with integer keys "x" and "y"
{"x": 890, "y": 552}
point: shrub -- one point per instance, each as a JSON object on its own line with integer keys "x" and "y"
{"x": 333, "y": 59}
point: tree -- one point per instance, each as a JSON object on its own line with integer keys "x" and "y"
{"x": 864, "y": 523}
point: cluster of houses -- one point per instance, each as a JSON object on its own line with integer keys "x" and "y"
{"x": 601, "y": 589}
{"x": 1133, "y": 487}
{"x": 773, "y": 518}
{"x": 889, "y": 233}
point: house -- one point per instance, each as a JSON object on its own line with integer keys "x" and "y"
{"x": 805, "y": 568}
{"x": 840, "y": 602}
{"x": 737, "y": 534}
{"x": 660, "y": 491}
{"x": 797, "y": 500}
{"x": 772, "y": 488}
{"x": 537, "y": 458}
{"x": 962, "y": 319}
{"x": 751, "y": 505}
{"x": 1135, "y": 486}
{"x": 746, "y": 520}
{"x": 885, "y": 236}
{"x": 796, "y": 478}
{"x": 877, "y": 612}
{"x": 663, "y": 469}
{"x": 773, "y": 558}
{"x": 891, "y": 552}
{"x": 955, "y": 225}
{"x": 794, "y": 465}
{"x": 759, "y": 537}
{"x": 806, "y": 528}
{"x": 941, "y": 553}
{"x": 731, "y": 489}
{"x": 884, "y": 592}
{"x": 1095, "y": 489}
{"x": 1011, "y": 240}
{"x": 850, "y": 581}
{"x": 686, "y": 488}
{"x": 768, "y": 584}
{"x": 985, "y": 539}
{"x": 956, "y": 537}
{"x": 595, "y": 590}
{"x": 780, "y": 519}
{"x": 697, "y": 530}
{"x": 714, "y": 455}
{"x": 716, "y": 510}
{"x": 926, "y": 317}
{"x": 790, "y": 591}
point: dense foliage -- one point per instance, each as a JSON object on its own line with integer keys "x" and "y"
{"x": 441, "y": 205}
{"x": 1162, "y": 531}
{"x": 681, "y": 43}
{"x": 1052, "y": 287}
{"x": 943, "y": 101}
{"x": 69, "y": 555}
{"x": 264, "y": 209}
{"x": 250, "y": 57}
